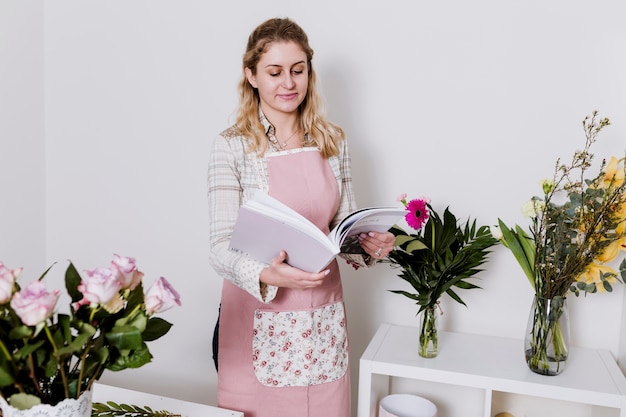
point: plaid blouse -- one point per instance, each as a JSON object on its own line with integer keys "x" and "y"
{"x": 233, "y": 176}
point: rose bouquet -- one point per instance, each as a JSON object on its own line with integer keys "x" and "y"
{"x": 577, "y": 228}
{"x": 48, "y": 356}
{"x": 441, "y": 256}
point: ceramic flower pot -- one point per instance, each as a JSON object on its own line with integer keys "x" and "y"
{"x": 406, "y": 405}
{"x": 547, "y": 336}
{"x": 69, "y": 407}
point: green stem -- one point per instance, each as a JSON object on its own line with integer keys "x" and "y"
{"x": 5, "y": 351}
{"x": 83, "y": 360}
{"x": 32, "y": 376}
{"x": 55, "y": 351}
{"x": 428, "y": 333}
{"x": 548, "y": 342}
{"x": 96, "y": 375}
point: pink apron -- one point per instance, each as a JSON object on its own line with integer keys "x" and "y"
{"x": 289, "y": 357}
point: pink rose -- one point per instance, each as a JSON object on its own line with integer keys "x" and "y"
{"x": 160, "y": 297}
{"x": 34, "y": 304}
{"x": 127, "y": 270}
{"x": 7, "y": 282}
{"x": 100, "y": 286}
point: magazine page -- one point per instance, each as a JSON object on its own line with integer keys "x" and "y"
{"x": 266, "y": 204}
{"x": 265, "y": 227}
{"x": 371, "y": 219}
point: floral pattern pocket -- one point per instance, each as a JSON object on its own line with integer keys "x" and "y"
{"x": 300, "y": 348}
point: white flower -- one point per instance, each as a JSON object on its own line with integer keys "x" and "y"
{"x": 532, "y": 208}
{"x": 496, "y": 232}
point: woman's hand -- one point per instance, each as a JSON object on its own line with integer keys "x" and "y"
{"x": 281, "y": 274}
{"x": 377, "y": 245}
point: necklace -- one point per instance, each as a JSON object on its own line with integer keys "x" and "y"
{"x": 283, "y": 144}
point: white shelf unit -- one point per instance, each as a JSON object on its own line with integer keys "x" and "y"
{"x": 491, "y": 366}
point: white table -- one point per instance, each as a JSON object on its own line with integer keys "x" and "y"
{"x": 103, "y": 393}
{"x": 491, "y": 366}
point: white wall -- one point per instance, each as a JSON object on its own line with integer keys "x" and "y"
{"x": 469, "y": 103}
{"x": 22, "y": 146}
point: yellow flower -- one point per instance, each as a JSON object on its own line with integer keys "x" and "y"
{"x": 610, "y": 252}
{"x": 592, "y": 273}
{"x": 614, "y": 173}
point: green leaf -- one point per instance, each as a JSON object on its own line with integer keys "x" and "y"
{"x": 397, "y": 231}
{"x": 138, "y": 320}
{"x": 65, "y": 329}
{"x": 6, "y": 377}
{"x": 401, "y": 240}
{"x": 405, "y": 293}
{"x": 464, "y": 285}
{"x": 135, "y": 298}
{"x": 133, "y": 359}
{"x": 455, "y": 297}
{"x": 156, "y": 328}
{"x": 46, "y": 272}
{"x": 48, "y": 362}
{"x": 416, "y": 245}
{"x": 29, "y": 348}
{"x": 72, "y": 280}
{"x": 520, "y": 245}
{"x": 23, "y": 401}
{"x": 81, "y": 339}
{"x": 528, "y": 245}
{"x": 20, "y": 332}
{"x": 125, "y": 337}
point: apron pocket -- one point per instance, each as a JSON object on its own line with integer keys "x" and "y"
{"x": 300, "y": 348}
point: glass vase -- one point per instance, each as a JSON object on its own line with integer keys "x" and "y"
{"x": 428, "y": 333}
{"x": 546, "y": 343}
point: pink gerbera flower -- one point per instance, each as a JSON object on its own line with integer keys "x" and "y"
{"x": 417, "y": 213}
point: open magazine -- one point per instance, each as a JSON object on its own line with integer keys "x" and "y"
{"x": 265, "y": 226}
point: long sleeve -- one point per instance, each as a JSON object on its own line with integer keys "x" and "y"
{"x": 231, "y": 177}
{"x": 341, "y": 167}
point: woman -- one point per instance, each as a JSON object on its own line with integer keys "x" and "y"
{"x": 283, "y": 347}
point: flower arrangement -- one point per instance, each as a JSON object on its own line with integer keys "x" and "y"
{"x": 571, "y": 240}
{"x": 441, "y": 256}
{"x": 577, "y": 227}
{"x": 48, "y": 356}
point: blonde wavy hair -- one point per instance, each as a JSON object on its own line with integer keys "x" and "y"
{"x": 321, "y": 133}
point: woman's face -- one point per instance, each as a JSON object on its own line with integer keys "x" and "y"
{"x": 281, "y": 78}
